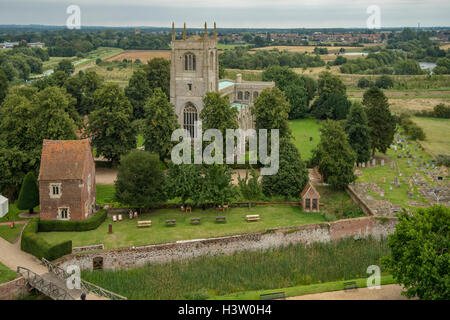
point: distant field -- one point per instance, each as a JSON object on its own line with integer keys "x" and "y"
{"x": 302, "y": 130}
{"x": 309, "y": 49}
{"x": 437, "y": 132}
{"x": 143, "y": 55}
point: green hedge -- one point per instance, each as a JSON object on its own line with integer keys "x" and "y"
{"x": 40, "y": 248}
{"x": 83, "y": 225}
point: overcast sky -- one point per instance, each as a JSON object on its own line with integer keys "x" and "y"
{"x": 229, "y": 13}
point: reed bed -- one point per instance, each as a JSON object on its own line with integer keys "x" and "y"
{"x": 209, "y": 276}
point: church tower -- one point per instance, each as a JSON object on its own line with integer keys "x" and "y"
{"x": 194, "y": 71}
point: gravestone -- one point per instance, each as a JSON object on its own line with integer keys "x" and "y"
{"x": 363, "y": 164}
{"x": 368, "y": 164}
{"x": 382, "y": 162}
{"x": 392, "y": 164}
{"x": 374, "y": 162}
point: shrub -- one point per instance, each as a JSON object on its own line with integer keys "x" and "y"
{"x": 442, "y": 111}
{"x": 40, "y": 248}
{"x": 384, "y": 82}
{"x": 29, "y": 193}
{"x": 83, "y": 225}
{"x": 443, "y": 160}
{"x": 364, "y": 83}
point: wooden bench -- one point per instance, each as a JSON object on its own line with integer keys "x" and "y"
{"x": 171, "y": 222}
{"x": 252, "y": 217}
{"x": 350, "y": 285}
{"x": 144, "y": 223}
{"x": 273, "y": 296}
{"x": 221, "y": 219}
{"x": 195, "y": 221}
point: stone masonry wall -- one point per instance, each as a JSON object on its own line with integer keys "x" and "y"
{"x": 161, "y": 253}
{"x": 13, "y": 289}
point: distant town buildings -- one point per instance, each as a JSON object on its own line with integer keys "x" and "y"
{"x": 10, "y": 45}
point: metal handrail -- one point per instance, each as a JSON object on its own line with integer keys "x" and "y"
{"x": 87, "y": 286}
{"x": 43, "y": 285}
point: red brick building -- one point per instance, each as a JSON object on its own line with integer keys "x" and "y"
{"x": 310, "y": 198}
{"x": 67, "y": 180}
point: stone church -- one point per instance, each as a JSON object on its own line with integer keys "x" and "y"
{"x": 195, "y": 71}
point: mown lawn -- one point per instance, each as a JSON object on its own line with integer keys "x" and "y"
{"x": 303, "y": 129}
{"x": 13, "y": 213}
{"x": 126, "y": 233}
{"x": 10, "y": 234}
{"x": 437, "y": 134}
{"x": 303, "y": 290}
{"x": 6, "y": 274}
{"x": 211, "y": 276}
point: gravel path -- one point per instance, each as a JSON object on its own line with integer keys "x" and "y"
{"x": 387, "y": 292}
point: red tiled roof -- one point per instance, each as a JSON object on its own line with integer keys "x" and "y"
{"x": 64, "y": 159}
{"x": 306, "y": 189}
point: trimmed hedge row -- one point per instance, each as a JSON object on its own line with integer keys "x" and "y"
{"x": 40, "y": 248}
{"x": 83, "y": 225}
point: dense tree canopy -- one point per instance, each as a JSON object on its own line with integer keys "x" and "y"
{"x": 419, "y": 258}
{"x": 334, "y": 156}
{"x": 292, "y": 174}
{"x": 381, "y": 122}
{"x": 160, "y": 121}
{"x": 295, "y": 88}
{"x": 155, "y": 74}
{"x": 271, "y": 111}
{"x": 26, "y": 118}
{"x": 358, "y": 132}
{"x": 110, "y": 123}
{"x": 140, "y": 180}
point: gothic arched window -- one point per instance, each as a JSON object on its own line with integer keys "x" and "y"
{"x": 255, "y": 95}
{"x": 247, "y": 95}
{"x": 190, "y": 62}
{"x": 190, "y": 117}
{"x": 240, "y": 95}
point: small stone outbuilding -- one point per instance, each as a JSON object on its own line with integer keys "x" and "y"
{"x": 67, "y": 180}
{"x": 310, "y": 198}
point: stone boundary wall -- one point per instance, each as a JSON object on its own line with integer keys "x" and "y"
{"x": 89, "y": 248}
{"x": 362, "y": 204}
{"x": 161, "y": 253}
{"x": 13, "y": 289}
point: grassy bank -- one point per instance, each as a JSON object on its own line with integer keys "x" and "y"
{"x": 6, "y": 274}
{"x": 303, "y": 129}
{"x": 436, "y": 142}
{"x": 210, "y": 276}
{"x": 10, "y": 234}
{"x": 302, "y": 290}
{"x": 126, "y": 233}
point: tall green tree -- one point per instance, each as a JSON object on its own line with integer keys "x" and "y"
{"x": 294, "y": 87}
{"x": 334, "y": 156}
{"x": 160, "y": 122}
{"x": 329, "y": 82}
{"x": 271, "y": 111}
{"x": 140, "y": 180}
{"x": 250, "y": 187}
{"x": 292, "y": 175}
{"x": 110, "y": 123}
{"x": 138, "y": 91}
{"x": 158, "y": 74}
{"x": 218, "y": 188}
{"x": 333, "y": 105}
{"x": 419, "y": 257}
{"x": 3, "y": 86}
{"x": 185, "y": 181}
{"x": 66, "y": 66}
{"x": 381, "y": 122}
{"x": 358, "y": 131}
{"x": 217, "y": 113}
{"x": 29, "y": 193}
